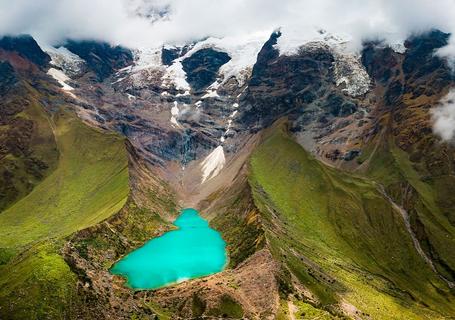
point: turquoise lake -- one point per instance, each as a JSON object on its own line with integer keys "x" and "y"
{"x": 193, "y": 250}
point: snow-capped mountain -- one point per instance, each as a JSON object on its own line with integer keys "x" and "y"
{"x": 205, "y": 82}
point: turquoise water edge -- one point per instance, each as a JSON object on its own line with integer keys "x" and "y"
{"x": 193, "y": 250}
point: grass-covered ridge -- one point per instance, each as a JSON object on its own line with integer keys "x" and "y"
{"x": 89, "y": 184}
{"x": 341, "y": 237}
{"x": 38, "y": 284}
{"x": 28, "y": 151}
{"x": 425, "y": 195}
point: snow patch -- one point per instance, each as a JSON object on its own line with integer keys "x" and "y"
{"x": 65, "y": 60}
{"x": 212, "y": 165}
{"x": 61, "y": 78}
{"x": 350, "y": 72}
{"x": 210, "y": 94}
{"x": 186, "y": 93}
{"x": 174, "y": 114}
{"x": 243, "y": 51}
{"x": 229, "y": 122}
{"x": 148, "y": 67}
{"x": 175, "y": 109}
{"x": 398, "y": 47}
{"x": 146, "y": 58}
{"x": 126, "y": 69}
{"x": 292, "y": 40}
{"x": 118, "y": 80}
{"x": 175, "y": 75}
{"x": 348, "y": 69}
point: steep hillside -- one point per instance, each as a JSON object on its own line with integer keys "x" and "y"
{"x": 28, "y": 151}
{"x": 88, "y": 185}
{"x": 91, "y": 252}
{"x": 414, "y": 166}
{"x": 344, "y": 243}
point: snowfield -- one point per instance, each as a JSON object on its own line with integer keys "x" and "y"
{"x": 64, "y": 59}
{"x": 212, "y": 165}
{"x": 61, "y": 78}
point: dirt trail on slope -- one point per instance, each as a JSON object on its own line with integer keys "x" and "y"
{"x": 292, "y": 310}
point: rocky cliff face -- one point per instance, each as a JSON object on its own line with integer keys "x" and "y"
{"x": 7, "y": 77}
{"x": 102, "y": 58}
{"x": 202, "y": 67}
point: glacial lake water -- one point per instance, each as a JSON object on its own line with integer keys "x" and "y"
{"x": 193, "y": 250}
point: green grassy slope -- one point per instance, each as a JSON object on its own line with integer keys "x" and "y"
{"x": 238, "y": 219}
{"x": 426, "y": 197}
{"x": 28, "y": 151}
{"x": 38, "y": 284}
{"x": 89, "y": 184}
{"x": 340, "y": 237}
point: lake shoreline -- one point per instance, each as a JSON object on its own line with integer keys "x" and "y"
{"x": 193, "y": 250}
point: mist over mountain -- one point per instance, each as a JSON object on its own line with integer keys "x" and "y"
{"x": 137, "y": 23}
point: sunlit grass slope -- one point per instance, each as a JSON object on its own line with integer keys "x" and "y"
{"x": 38, "y": 284}
{"x": 427, "y": 197}
{"x": 340, "y": 237}
{"x": 89, "y": 184}
{"x": 31, "y": 151}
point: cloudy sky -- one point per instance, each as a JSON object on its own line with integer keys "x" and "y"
{"x": 137, "y": 23}
{"x": 444, "y": 117}
{"x": 151, "y": 23}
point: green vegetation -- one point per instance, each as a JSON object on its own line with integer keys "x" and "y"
{"x": 28, "y": 151}
{"x": 199, "y": 306}
{"x": 135, "y": 226}
{"x": 160, "y": 312}
{"x": 227, "y": 308}
{"x": 301, "y": 311}
{"x": 89, "y": 184}
{"x": 38, "y": 284}
{"x": 340, "y": 236}
{"x": 427, "y": 199}
{"x": 239, "y": 223}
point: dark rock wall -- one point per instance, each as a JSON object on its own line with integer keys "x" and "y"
{"x": 27, "y": 48}
{"x": 202, "y": 67}
{"x": 102, "y": 58}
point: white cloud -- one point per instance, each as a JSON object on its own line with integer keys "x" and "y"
{"x": 138, "y": 23}
{"x": 449, "y": 52}
{"x": 444, "y": 117}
